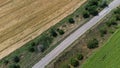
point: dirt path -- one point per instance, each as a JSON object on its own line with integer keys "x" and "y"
{"x": 21, "y": 21}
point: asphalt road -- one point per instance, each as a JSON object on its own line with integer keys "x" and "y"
{"x": 74, "y": 36}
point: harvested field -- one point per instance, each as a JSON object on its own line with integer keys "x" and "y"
{"x": 23, "y": 20}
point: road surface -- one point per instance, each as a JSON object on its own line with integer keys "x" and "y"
{"x": 74, "y": 36}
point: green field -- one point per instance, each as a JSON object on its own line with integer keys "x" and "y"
{"x": 107, "y": 56}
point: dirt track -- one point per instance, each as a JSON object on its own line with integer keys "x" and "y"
{"x": 23, "y": 20}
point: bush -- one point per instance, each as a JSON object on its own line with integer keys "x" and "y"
{"x": 104, "y": 5}
{"x": 111, "y": 31}
{"x": 6, "y": 62}
{"x": 94, "y": 2}
{"x": 86, "y": 15}
{"x": 111, "y": 22}
{"x": 117, "y": 11}
{"x": 80, "y": 57}
{"x": 91, "y": 8}
{"x": 60, "y": 31}
{"x": 45, "y": 40}
{"x": 108, "y": 23}
{"x": 43, "y": 48}
{"x": 33, "y": 44}
{"x": 94, "y": 12}
{"x": 74, "y": 62}
{"x": 117, "y": 16}
{"x": 92, "y": 44}
{"x": 53, "y": 33}
{"x": 102, "y": 31}
{"x": 14, "y": 66}
{"x": 71, "y": 20}
{"x": 31, "y": 49}
{"x": 16, "y": 59}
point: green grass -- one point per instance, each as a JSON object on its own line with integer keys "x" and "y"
{"x": 107, "y": 56}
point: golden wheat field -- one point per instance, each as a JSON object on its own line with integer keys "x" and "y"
{"x": 23, "y": 20}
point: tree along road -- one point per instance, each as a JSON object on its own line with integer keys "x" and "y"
{"x": 75, "y": 35}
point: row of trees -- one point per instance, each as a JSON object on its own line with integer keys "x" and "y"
{"x": 92, "y": 7}
{"x": 45, "y": 40}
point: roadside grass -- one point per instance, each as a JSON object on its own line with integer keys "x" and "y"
{"x": 107, "y": 56}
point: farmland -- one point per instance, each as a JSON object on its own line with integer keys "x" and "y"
{"x": 108, "y": 56}
{"x": 22, "y": 21}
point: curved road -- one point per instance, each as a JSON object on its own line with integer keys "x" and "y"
{"x": 74, "y": 36}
